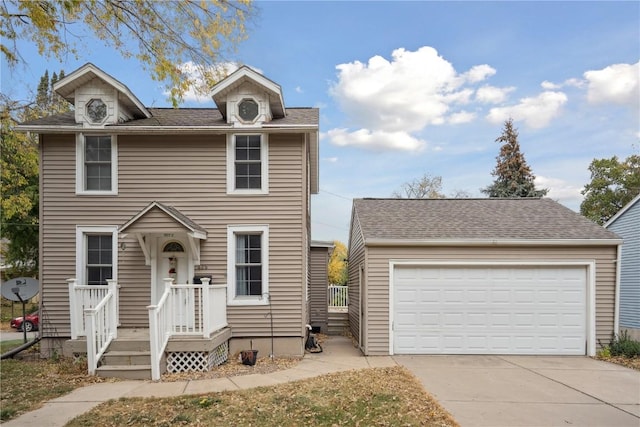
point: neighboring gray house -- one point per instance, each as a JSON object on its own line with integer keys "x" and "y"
{"x": 141, "y": 207}
{"x": 626, "y": 223}
{"x": 479, "y": 276}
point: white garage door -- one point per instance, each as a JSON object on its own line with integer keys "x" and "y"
{"x": 489, "y": 310}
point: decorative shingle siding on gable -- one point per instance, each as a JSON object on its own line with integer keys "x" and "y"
{"x": 627, "y": 225}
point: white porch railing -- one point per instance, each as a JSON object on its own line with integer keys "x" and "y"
{"x": 194, "y": 310}
{"x": 338, "y": 298}
{"x": 82, "y": 297}
{"x": 101, "y": 326}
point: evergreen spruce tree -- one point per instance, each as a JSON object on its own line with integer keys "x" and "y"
{"x": 513, "y": 176}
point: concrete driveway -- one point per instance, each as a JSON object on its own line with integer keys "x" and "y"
{"x": 530, "y": 390}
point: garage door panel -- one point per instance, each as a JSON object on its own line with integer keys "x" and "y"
{"x": 492, "y": 310}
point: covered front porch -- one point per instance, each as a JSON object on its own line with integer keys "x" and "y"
{"x": 188, "y": 329}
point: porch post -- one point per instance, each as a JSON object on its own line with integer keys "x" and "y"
{"x": 73, "y": 309}
{"x": 113, "y": 308}
{"x": 206, "y": 308}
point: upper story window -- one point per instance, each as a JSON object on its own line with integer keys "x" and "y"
{"x": 96, "y": 111}
{"x": 248, "y": 110}
{"x": 247, "y": 164}
{"x": 96, "y": 171}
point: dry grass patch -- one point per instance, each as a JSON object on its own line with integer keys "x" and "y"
{"x": 234, "y": 367}
{"x": 26, "y": 385}
{"x": 629, "y": 362}
{"x": 369, "y": 397}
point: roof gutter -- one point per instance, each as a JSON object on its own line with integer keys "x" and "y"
{"x": 492, "y": 242}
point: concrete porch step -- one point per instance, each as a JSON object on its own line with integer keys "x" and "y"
{"x": 130, "y": 344}
{"x": 126, "y": 358}
{"x": 136, "y": 372}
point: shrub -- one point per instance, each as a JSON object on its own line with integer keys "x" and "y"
{"x": 623, "y": 345}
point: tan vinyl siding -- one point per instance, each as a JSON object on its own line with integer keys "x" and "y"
{"x": 356, "y": 259}
{"x": 319, "y": 259}
{"x": 378, "y": 279}
{"x": 188, "y": 173}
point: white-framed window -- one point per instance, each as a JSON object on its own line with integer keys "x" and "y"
{"x": 247, "y": 164}
{"x": 96, "y": 254}
{"x": 96, "y": 164}
{"x": 248, "y": 264}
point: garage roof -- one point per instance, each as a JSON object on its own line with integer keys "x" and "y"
{"x": 469, "y": 220}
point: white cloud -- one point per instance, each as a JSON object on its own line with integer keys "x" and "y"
{"x": 461, "y": 117}
{"x": 536, "y": 112}
{"x": 298, "y": 89}
{"x": 392, "y": 99}
{"x": 376, "y": 139}
{"x": 493, "y": 95}
{"x": 331, "y": 159}
{"x": 574, "y": 82}
{"x": 478, "y": 73}
{"x": 617, "y": 84}
{"x": 547, "y": 85}
{"x": 559, "y": 189}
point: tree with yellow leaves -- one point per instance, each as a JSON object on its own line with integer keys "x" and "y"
{"x": 162, "y": 35}
{"x": 337, "y": 271}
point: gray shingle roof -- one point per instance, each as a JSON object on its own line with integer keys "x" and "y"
{"x": 186, "y": 117}
{"x": 473, "y": 219}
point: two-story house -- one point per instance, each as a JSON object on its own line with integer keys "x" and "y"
{"x": 185, "y": 228}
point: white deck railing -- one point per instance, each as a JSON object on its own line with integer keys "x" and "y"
{"x": 194, "y": 310}
{"x": 82, "y": 297}
{"x": 338, "y": 298}
{"x": 183, "y": 310}
{"x": 101, "y": 326}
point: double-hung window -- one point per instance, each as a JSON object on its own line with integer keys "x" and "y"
{"x": 247, "y": 164}
{"x": 96, "y": 253}
{"x": 96, "y": 171}
{"x": 248, "y": 269}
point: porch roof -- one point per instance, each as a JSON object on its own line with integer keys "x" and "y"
{"x": 194, "y": 229}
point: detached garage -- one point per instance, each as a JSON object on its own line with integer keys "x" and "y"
{"x": 479, "y": 276}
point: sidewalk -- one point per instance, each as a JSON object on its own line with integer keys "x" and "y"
{"x": 338, "y": 355}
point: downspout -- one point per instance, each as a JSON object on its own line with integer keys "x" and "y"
{"x": 616, "y": 309}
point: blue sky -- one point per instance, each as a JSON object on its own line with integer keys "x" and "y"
{"x": 408, "y": 88}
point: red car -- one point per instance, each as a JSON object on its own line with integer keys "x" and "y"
{"x": 30, "y": 324}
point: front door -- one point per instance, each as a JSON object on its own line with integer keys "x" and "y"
{"x": 173, "y": 262}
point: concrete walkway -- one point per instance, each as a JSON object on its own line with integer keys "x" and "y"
{"x": 338, "y": 355}
{"x": 530, "y": 390}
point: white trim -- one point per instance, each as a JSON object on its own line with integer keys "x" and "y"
{"x": 80, "y": 169}
{"x": 89, "y": 68}
{"x": 177, "y": 130}
{"x": 492, "y": 242}
{"x": 81, "y": 232}
{"x": 231, "y": 265}
{"x": 590, "y": 296}
{"x": 264, "y": 164}
{"x": 616, "y": 309}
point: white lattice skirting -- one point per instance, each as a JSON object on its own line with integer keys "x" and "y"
{"x": 197, "y": 361}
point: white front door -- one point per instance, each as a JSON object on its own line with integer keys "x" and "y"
{"x": 173, "y": 261}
